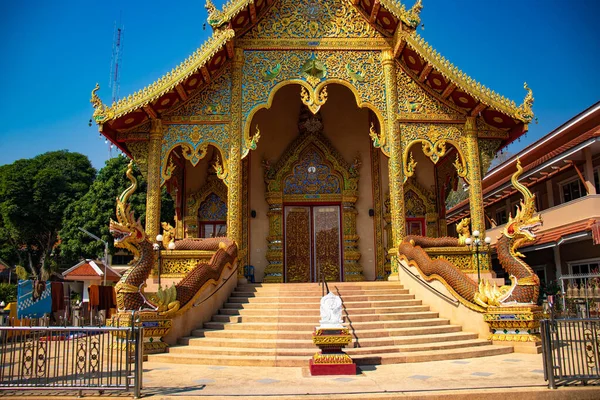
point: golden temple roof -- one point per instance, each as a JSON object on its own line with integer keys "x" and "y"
{"x": 222, "y": 34}
{"x": 485, "y": 95}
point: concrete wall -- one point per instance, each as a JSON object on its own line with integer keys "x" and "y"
{"x": 471, "y": 321}
{"x": 214, "y": 295}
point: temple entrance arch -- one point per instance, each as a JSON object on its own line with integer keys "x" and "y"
{"x": 333, "y": 141}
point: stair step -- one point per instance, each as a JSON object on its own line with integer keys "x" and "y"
{"x": 272, "y": 325}
{"x": 367, "y": 333}
{"x": 236, "y": 342}
{"x": 309, "y": 327}
{"x": 314, "y": 319}
{"x": 276, "y": 360}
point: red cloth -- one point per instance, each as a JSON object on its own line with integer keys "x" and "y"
{"x": 58, "y": 296}
{"x": 94, "y": 292}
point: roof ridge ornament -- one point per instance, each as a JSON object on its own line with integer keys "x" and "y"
{"x": 413, "y": 14}
{"x": 215, "y": 17}
{"x": 525, "y": 110}
{"x": 101, "y": 112}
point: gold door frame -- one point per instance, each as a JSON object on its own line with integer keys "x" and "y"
{"x": 275, "y": 174}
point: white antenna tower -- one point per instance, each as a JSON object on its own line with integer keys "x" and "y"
{"x": 114, "y": 81}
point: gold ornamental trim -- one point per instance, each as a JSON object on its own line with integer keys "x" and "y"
{"x": 365, "y": 44}
{"x": 167, "y": 82}
{"x": 464, "y": 82}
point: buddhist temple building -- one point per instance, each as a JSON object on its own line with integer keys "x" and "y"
{"x": 315, "y": 134}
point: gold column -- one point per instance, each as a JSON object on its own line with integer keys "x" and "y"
{"x": 474, "y": 176}
{"x": 153, "y": 191}
{"x": 396, "y": 170}
{"x": 234, "y": 176}
{"x": 475, "y": 191}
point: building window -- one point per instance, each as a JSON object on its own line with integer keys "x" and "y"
{"x": 213, "y": 229}
{"x": 121, "y": 259}
{"x": 584, "y": 266}
{"x": 501, "y": 217}
{"x": 572, "y": 190}
{"x": 597, "y": 180}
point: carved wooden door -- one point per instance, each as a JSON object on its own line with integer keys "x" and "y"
{"x": 312, "y": 243}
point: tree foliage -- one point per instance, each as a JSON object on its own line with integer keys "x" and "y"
{"x": 93, "y": 211}
{"x": 33, "y": 196}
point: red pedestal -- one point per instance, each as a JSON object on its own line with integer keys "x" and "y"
{"x": 332, "y": 369}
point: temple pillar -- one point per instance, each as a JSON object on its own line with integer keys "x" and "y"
{"x": 484, "y": 262}
{"x": 234, "y": 176}
{"x": 474, "y": 177}
{"x": 396, "y": 169}
{"x": 153, "y": 191}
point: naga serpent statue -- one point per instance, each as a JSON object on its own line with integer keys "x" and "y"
{"x": 524, "y": 287}
{"x": 129, "y": 234}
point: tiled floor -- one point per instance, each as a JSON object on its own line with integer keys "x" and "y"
{"x": 516, "y": 370}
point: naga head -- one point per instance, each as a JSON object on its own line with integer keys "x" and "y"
{"x": 127, "y": 231}
{"x": 520, "y": 228}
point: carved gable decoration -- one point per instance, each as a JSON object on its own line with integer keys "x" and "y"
{"x": 311, "y": 167}
{"x": 313, "y": 19}
{"x": 312, "y": 175}
{"x": 213, "y": 209}
{"x": 208, "y": 202}
{"x": 215, "y": 99}
{"x": 416, "y": 102}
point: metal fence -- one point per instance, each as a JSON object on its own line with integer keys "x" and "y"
{"x": 71, "y": 358}
{"x": 571, "y": 351}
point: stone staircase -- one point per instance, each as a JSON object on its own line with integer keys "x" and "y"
{"x": 271, "y": 325}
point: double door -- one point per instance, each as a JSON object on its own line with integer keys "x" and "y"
{"x": 312, "y": 243}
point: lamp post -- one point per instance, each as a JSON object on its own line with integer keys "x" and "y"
{"x": 105, "y": 249}
{"x": 157, "y": 247}
{"x": 475, "y": 244}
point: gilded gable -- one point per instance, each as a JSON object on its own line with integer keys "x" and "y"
{"x": 415, "y": 102}
{"x": 313, "y": 19}
{"x": 215, "y": 99}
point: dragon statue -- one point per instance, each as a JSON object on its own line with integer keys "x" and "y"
{"x": 524, "y": 287}
{"x": 129, "y": 234}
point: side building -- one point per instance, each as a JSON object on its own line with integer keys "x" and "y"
{"x": 562, "y": 170}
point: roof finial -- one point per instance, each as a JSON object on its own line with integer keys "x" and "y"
{"x": 412, "y": 16}
{"x": 214, "y": 15}
{"x": 525, "y": 111}
{"x": 95, "y": 100}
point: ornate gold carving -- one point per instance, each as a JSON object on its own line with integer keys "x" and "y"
{"x": 474, "y": 177}
{"x": 213, "y": 100}
{"x": 193, "y": 202}
{"x": 259, "y": 94}
{"x": 396, "y": 169}
{"x": 154, "y": 180}
{"x": 312, "y": 19}
{"x": 313, "y": 100}
{"x": 416, "y": 102}
{"x": 344, "y": 190}
{"x": 378, "y": 219}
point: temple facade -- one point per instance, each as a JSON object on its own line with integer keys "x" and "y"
{"x": 315, "y": 134}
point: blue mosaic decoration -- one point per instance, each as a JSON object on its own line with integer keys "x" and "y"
{"x": 213, "y": 209}
{"x": 312, "y": 176}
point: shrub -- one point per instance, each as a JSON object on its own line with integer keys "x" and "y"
{"x": 8, "y": 292}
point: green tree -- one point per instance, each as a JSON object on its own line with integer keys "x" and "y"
{"x": 93, "y": 211}
{"x": 33, "y": 196}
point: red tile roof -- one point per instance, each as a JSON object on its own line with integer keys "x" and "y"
{"x": 555, "y": 234}
{"x": 85, "y": 270}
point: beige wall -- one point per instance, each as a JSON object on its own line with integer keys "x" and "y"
{"x": 346, "y": 126}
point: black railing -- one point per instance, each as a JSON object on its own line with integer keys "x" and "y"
{"x": 571, "y": 351}
{"x": 71, "y": 358}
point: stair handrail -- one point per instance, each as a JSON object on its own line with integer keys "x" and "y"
{"x": 350, "y": 325}
{"x": 435, "y": 291}
{"x": 234, "y": 272}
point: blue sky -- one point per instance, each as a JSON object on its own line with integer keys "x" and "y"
{"x": 55, "y": 51}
